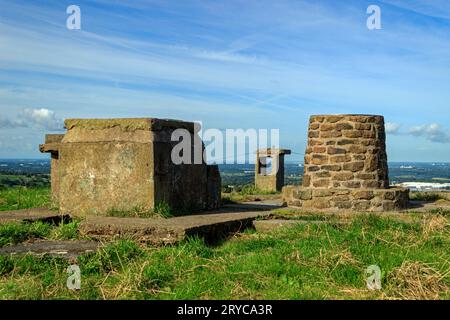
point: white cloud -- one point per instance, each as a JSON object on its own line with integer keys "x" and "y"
{"x": 392, "y": 128}
{"x": 44, "y": 118}
{"x": 10, "y": 123}
{"x": 225, "y": 57}
{"x": 29, "y": 118}
{"x": 433, "y": 132}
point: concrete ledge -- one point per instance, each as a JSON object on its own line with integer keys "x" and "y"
{"x": 33, "y": 215}
{"x": 211, "y": 227}
{"x": 129, "y": 124}
{"x": 60, "y": 249}
{"x": 347, "y": 199}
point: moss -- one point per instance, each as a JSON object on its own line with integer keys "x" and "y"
{"x": 127, "y": 125}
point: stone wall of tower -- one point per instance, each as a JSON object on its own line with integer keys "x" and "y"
{"x": 346, "y": 151}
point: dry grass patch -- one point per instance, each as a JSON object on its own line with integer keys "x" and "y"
{"x": 415, "y": 280}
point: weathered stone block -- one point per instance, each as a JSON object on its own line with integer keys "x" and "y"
{"x": 333, "y": 119}
{"x": 319, "y": 159}
{"x": 305, "y": 194}
{"x": 312, "y": 168}
{"x": 125, "y": 164}
{"x": 332, "y": 167}
{"x": 363, "y": 195}
{"x": 357, "y": 149}
{"x": 352, "y": 134}
{"x": 333, "y": 150}
{"x": 314, "y": 142}
{"x": 344, "y": 142}
{"x": 319, "y": 149}
{"x": 344, "y": 126}
{"x": 351, "y": 184}
{"x": 330, "y": 134}
{"x": 340, "y": 159}
{"x": 363, "y": 126}
{"x": 319, "y": 183}
{"x": 359, "y": 157}
{"x": 343, "y": 176}
{"x": 322, "y": 193}
{"x": 354, "y": 199}
{"x": 354, "y": 166}
{"x": 322, "y": 174}
{"x": 361, "y": 205}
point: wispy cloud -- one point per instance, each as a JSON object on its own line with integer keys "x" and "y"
{"x": 6, "y": 123}
{"x": 265, "y": 63}
{"x": 433, "y": 132}
{"x": 44, "y": 118}
{"x": 392, "y": 128}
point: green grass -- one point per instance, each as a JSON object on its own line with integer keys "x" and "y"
{"x": 13, "y": 233}
{"x": 246, "y": 193}
{"x": 161, "y": 210}
{"x": 24, "y": 198}
{"x": 307, "y": 261}
{"x": 427, "y": 196}
{"x": 301, "y": 262}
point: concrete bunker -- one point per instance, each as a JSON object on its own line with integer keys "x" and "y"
{"x": 125, "y": 164}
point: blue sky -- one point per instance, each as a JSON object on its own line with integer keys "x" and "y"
{"x": 230, "y": 64}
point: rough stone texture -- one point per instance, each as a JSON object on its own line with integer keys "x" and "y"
{"x": 52, "y": 144}
{"x": 355, "y": 147}
{"x": 211, "y": 227}
{"x": 270, "y": 181}
{"x": 345, "y": 162}
{"x": 124, "y": 164}
{"x": 347, "y": 199}
{"x": 33, "y": 215}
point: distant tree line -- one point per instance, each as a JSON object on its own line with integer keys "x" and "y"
{"x": 25, "y": 180}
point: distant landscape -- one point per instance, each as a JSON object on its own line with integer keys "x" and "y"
{"x": 35, "y": 173}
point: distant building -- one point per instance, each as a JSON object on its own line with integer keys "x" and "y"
{"x": 425, "y": 186}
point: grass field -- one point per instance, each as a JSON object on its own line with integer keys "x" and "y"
{"x": 324, "y": 261}
{"x": 22, "y": 198}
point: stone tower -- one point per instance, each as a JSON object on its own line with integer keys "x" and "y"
{"x": 346, "y": 166}
{"x": 269, "y": 169}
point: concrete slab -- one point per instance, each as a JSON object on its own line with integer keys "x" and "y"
{"x": 33, "y": 215}
{"x": 211, "y": 226}
{"x": 61, "y": 249}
